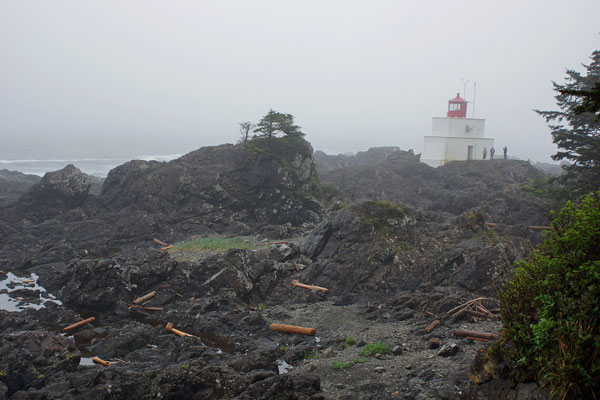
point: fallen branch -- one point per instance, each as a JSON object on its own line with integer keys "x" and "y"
{"x": 169, "y": 328}
{"x": 295, "y": 283}
{"x": 145, "y": 314}
{"x": 467, "y": 304}
{"x": 153, "y": 308}
{"x": 476, "y": 338}
{"x": 293, "y": 329}
{"x": 281, "y": 242}
{"x": 540, "y": 228}
{"x": 97, "y": 360}
{"x": 144, "y": 298}
{"x": 431, "y": 326}
{"x": 78, "y": 324}
{"x": 432, "y": 314}
{"x": 167, "y": 247}
{"x": 160, "y": 242}
{"x": 490, "y": 224}
{"x": 296, "y": 266}
{"x": 487, "y": 313}
{"x": 479, "y": 314}
{"x": 481, "y": 335}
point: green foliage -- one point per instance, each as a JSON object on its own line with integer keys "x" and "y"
{"x": 550, "y": 308}
{"x": 380, "y": 213}
{"x": 284, "y": 149}
{"x": 185, "y": 367}
{"x": 213, "y": 244}
{"x": 275, "y": 122}
{"x": 375, "y": 348}
{"x": 358, "y": 360}
{"x": 340, "y": 365}
{"x": 350, "y": 341}
{"x": 309, "y": 355}
{"x": 576, "y": 128}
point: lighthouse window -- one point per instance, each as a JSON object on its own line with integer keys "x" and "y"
{"x": 454, "y": 107}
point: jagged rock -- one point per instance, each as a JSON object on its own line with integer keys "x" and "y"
{"x": 260, "y": 181}
{"x": 59, "y": 190}
{"x": 27, "y": 357}
{"x": 14, "y": 184}
{"x": 449, "y": 349}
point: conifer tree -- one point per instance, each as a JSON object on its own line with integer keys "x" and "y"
{"x": 575, "y": 128}
{"x": 275, "y": 122}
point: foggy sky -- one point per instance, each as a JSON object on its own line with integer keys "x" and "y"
{"x": 164, "y": 77}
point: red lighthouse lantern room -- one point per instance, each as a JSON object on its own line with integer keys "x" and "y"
{"x": 457, "y": 107}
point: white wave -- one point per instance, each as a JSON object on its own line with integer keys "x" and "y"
{"x": 167, "y": 157}
{"x": 69, "y": 160}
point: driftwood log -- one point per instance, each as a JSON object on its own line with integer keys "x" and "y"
{"x": 78, "y": 324}
{"x": 310, "y": 287}
{"x": 293, "y": 329}
{"x": 99, "y": 361}
{"x": 431, "y": 326}
{"x": 144, "y": 298}
{"x": 474, "y": 334}
{"x": 169, "y": 328}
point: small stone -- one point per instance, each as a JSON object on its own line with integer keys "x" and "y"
{"x": 361, "y": 343}
{"x": 328, "y": 352}
{"x": 397, "y": 350}
{"x": 434, "y": 343}
{"x": 449, "y": 349}
{"x": 408, "y": 366}
{"x": 377, "y": 355}
{"x": 340, "y": 385}
{"x": 379, "y": 369}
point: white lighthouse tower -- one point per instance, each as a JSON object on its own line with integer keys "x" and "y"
{"x": 455, "y": 137}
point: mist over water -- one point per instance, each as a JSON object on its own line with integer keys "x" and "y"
{"x": 37, "y": 159}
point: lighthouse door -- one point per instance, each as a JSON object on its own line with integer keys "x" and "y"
{"x": 470, "y": 153}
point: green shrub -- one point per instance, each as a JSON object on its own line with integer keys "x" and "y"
{"x": 375, "y": 348}
{"x": 350, "y": 341}
{"x": 550, "y": 308}
{"x": 213, "y": 244}
{"x": 340, "y": 365}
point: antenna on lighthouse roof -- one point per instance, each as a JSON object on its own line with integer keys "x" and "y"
{"x": 465, "y": 83}
{"x": 474, "y": 89}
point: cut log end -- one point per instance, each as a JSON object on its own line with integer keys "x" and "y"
{"x": 99, "y": 361}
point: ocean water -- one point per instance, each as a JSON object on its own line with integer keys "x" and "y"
{"x": 37, "y": 160}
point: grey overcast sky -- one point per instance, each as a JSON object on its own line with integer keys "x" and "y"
{"x": 163, "y": 77}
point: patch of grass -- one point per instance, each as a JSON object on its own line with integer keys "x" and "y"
{"x": 214, "y": 244}
{"x": 375, "y": 348}
{"x": 350, "y": 341}
{"x": 185, "y": 367}
{"x": 340, "y": 365}
{"x": 309, "y": 355}
{"x": 358, "y": 360}
{"x": 262, "y": 306}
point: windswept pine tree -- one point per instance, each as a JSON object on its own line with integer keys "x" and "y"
{"x": 575, "y": 127}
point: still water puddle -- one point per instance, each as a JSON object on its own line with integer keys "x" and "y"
{"x": 21, "y": 290}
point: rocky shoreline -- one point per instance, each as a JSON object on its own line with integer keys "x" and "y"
{"x": 397, "y": 243}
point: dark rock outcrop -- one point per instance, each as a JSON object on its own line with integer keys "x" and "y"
{"x": 492, "y": 187}
{"x": 56, "y": 192}
{"x": 14, "y": 185}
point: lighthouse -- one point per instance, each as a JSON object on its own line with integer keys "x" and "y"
{"x": 455, "y": 137}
